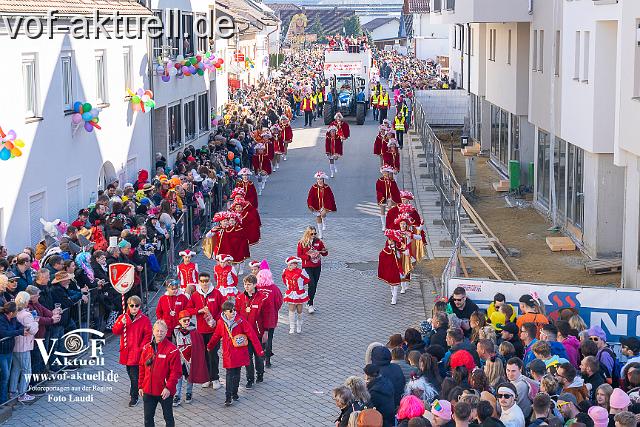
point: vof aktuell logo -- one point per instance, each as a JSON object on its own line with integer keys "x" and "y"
{"x": 69, "y": 349}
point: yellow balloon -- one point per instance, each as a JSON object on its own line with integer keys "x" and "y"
{"x": 16, "y": 152}
{"x": 18, "y": 143}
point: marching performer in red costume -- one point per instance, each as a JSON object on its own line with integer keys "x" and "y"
{"x": 380, "y": 141}
{"x": 171, "y": 304}
{"x": 387, "y": 192}
{"x": 225, "y": 277}
{"x": 278, "y": 146}
{"x": 391, "y": 157}
{"x": 261, "y": 165}
{"x": 408, "y": 236}
{"x": 343, "y": 127}
{"x": 238, "y": 241}
{"x": 218, "y": 234}
{"x": 187, "y": 271}
{"x": 418, "y": 245}
{"x": 287, "y": 134}
{"x": 254, "y": 267}
{"x": 295, "y": 280}
{"x": 333, "y": 148}
{"x": 247, "y": 185}
{"x": 320, "y": 201}
{"x": 249, "y": 217}
{"x": 389, "y": 263}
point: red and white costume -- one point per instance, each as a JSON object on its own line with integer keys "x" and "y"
{"x": 296, "y": 281}
{"x": 386, "y": 188}
{"x": 389, "y": 260}
{"x": 391, "y": 156}
{"x": 286, "y": 133}
{"x": 321, "y": 197}
{"x": 190, "y": 344}
{"x": 333, "y": 143}
{"x": 261, "y": 161}
{"x": 381, "y": 140}
{"x": 249, "y": 218}
{"x": 169, "y": 307}
{"x": 343, "y": 127}
{"x": 278, "y": 141}
{"x": 250, "y": 192}
{"x": 225, "y": 277}
{"x": 187, "y": 273}
{"x": 250, "y": 307}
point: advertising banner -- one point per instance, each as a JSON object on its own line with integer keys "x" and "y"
{"x": 343, "y": 67}
{"x": 615, "y": 310}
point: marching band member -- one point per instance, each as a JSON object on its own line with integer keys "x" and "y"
{"x": 191, "y": 347}
{"x": 381, "y": 139}
{"x": 295, "y": 280}
{"x": 286, "y": 134}
{"x": 247, "y": 185}
{"x": 278, "y": 145}
{"x": 407, "y": 235}
{"x": 187, "y": 271}
{"x": 391, "y": 157}
{"x": 225, "y": 277}
{"x": 261, "y": 165}
{"x": 238, "y": 242}
{"x": 249, "y": 217}
{"x": 171, "y": 304}
{"x": 389, "y": 263}
{"x": 387, "y": 192}
{"x": 333, "y": 148}
{"x": 320, "y": 200}
{"x": 254, "y": 267}
{"x": 343, "y": 127}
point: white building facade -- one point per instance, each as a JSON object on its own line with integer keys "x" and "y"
{"x": 62, "y": 165}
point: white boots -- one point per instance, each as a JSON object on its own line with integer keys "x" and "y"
{"x": 394, "y": 295}
{"x": 324, "y": 225}
{"x": 331, "y": 168}
{"x": 403, "y": 287}
{"x": 382, "y": 220}
{"x": 295, "y": 322}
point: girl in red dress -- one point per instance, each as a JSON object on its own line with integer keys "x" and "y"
{"x": 295, "y": 280}
{"x": 320, "y": 201}
{"x": 333, "y": 148}
{"x": 343, "y": 127}
{"x": 287, "y": 134}
{"x": 387, "y": 192}
{"x": 249, "y": 218}
{"x": 225, "y": 277}
{"x": 407, "y": 234}
{"x": 261, "y": 165}
{"x": 217, "y": 234}
{"x": 391, "y": 157}
{"x": 246, "y": 184}
{"x": 381, "y": 139}
{"x": 238, "y": 242}
{"x": 278, "y": 146}
{"x": 389, "y": 263}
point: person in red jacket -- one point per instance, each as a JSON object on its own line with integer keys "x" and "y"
{"x": 247, "y": 185}
{"x": 187, "y": 271}
{"x": 249, "y": 305}
{"x": 295, "y": 280}
{"x": 225, "y": 277}
{"x": 389, "y": 263}
{"x": 320, "y": 200}
{"x": 311, "y": 250}
{"x": 236, "y": 333}
{"x": 171, "y": 304}
{"x": 205, "y": 304}
{"x": 134, "y": 329}
{"x": 333, "y": 148}
{"x": 387, "y": 192}
{"x": 270, "y": 307}
{"x": 160, "y": 370}
{"x": 391, "y": 157}
{"x": 287, "y": 134}
{"x": 261, "y": 165}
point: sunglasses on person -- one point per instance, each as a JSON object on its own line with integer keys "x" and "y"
{"x": 134, "y": 305}
{"x": 561, "y": 404}
{"x": 204, "y": 280}
{"x": 596, "y": 339}
{"x": 504, "y": 396}
{"x": 458, "y": 299}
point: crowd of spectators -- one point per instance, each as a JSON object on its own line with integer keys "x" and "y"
{"x": 495, "y": 367}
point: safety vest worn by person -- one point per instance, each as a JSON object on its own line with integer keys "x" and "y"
{"x": 383, "y": 100}
{"x": 319, "y": 97}
{"x": 399, "y": 122}
{"x": 404, "y": 110}
{"x": 296, "y": 98}
{"x": 307, "y": 104}
{"x": 374, "y": 100}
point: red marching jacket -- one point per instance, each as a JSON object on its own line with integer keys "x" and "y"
{"x": 286, "y": 133}
{"x": 261, "y": 163}
{"x": 164, "y": 371}
{"x": 251, "y": 195}
{"x": 187, "y": 274}
{"x": 273, "y": 300}
{"x": 234, "y": 357}
{"x": 139, "y": 333}
{"x": 377, "y": 145}
{"x": 303, "y": 253}
{"x": 169, "y": 307}
{"x": 392, "y": 158}
{"x": 250, "y": 307}
{"x": 389, "y": 266}
{"x": 213, "y": 300}
{"x": 343, "y": 129}
{"x": 387, "y": 189}
{"x": 321, "y": 198}
{"x": 333, "y": 145}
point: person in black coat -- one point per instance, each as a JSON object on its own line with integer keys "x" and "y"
{"x": 381, "y": 357}
{"x": 381, "y": 391}
{"x": 9, "y": 329}
{"x": 440, "y": 324}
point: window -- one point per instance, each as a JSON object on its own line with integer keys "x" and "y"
{"x": 126, "y": 56}
{"x": 173, "y": 31}
{"x": 157, "y": 42}
{"x": 585, "y": 68}
{"x": 534, "y": 62}
{"x": 74, "y": 198}
{"x": 101, "y": 78}
{"x": 559, "y": 171}
{"x": 509, "y": 48}
{"x": 495, "y": 130}
{"x": 543, "y": 168}
{"x": 67, "y": 82}
{"x": 37, "y": 204}
{"x": 174, "y": 124}
{"x": 203, "y": 41}
{"x": 515, "y": 138}
{"x": 190, "y": 119}
{"x": 203, "y": 112}
{"x": 504, "y": 137}
{"x": 575, "y": 199}
{"x": 541, "y": 54}
{"x": 492, "y": 45}
{"x": 30, "y": 86}
{"x": 556, "y": 62}
{"x": 187, "y": 35}
{"x": 576, "y": 67}
{"x": 471, "y": 39}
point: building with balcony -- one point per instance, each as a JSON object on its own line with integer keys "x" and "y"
{"x": 62, "y": 165}
{"x": 425, "y": 40}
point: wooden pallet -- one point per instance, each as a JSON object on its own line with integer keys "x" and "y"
{"x": 603, "y": 266}
{"x": 471, "y": 150}
{"x": 557, "y": 244}
{"x": 502, "y": 186}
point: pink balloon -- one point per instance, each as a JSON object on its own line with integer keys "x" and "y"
{"x": 76, "y": 118}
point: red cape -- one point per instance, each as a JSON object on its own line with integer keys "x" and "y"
{"x": 261, "y": 163}
{"x": 389, "y": 266}
{"x": 251, "y": 195}
{"x": 321, "y": 197}
{"x": 199, "y": 373}
{"x": 387, "y": 189}
{"x": 343, "y": 129}
{"x": 333, "y": 145}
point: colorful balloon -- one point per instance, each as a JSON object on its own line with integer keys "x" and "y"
{"x": 77, "y": 106}
{"x": 88, "y": 127}
{"x": 86, "y": 116}
{"x": 76, "y": 118}
{"x": 230, "y": 155}
{"x": 86, "y": 107}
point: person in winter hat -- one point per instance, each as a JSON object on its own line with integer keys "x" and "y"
{"x": 135, "y": 332}
{"x": 599, "y": 416}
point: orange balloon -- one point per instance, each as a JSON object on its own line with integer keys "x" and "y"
{"x": 230, "y": 155}
{"x": 9, "y": 145}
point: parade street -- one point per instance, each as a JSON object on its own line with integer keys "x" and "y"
{"x": 353, "y": 306}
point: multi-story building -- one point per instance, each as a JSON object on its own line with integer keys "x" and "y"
{"x": 42, "y": 78}
{"x": 555, "y": 84}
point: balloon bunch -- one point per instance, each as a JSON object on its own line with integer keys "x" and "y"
{"x": 193, "y": 66}
{"x": 248, "y": 63}
{"x": 10, "y": 145}
{"x": 236, "y": 160}
{"x": 84, "y": 111}
{"x": 141, "y": 99}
